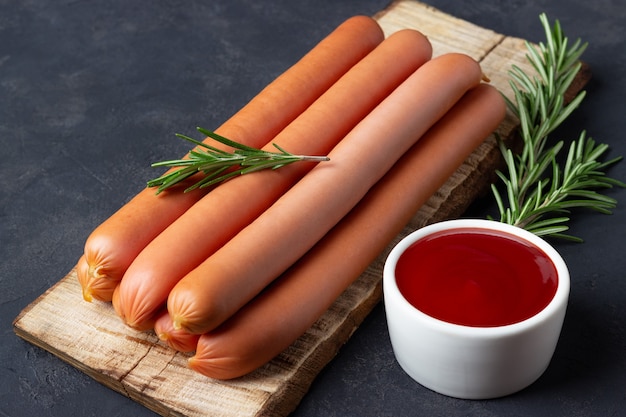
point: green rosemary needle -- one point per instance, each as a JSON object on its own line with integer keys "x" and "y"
{"x": 217, "y": 165}
{"x": 539, "y": 192}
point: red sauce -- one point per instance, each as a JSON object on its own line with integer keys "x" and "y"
{"x": 475, "y": 277}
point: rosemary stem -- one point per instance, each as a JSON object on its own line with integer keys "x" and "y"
{"x": 216, "y": 165}
{"x": 538, "y": 196}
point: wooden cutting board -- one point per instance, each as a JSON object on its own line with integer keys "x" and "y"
{"x": 90, "y": 337}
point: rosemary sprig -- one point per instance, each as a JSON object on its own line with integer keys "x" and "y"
{"x": 218, "y": 165}
{"x": 539, "y": 192}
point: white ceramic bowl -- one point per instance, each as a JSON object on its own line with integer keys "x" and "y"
{"x": 473, "y": 362}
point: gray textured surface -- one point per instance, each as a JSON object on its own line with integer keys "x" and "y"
{"x": 92, "y": 92}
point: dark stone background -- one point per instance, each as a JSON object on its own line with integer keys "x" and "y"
{"x": 92, "y": 92}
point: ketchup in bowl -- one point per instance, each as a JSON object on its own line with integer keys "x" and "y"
{"x": 476, "y": 277}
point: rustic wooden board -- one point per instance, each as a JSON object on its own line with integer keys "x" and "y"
{"x": 92, "y": 338}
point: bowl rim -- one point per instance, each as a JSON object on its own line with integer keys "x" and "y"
{"x": 391, "y": 292}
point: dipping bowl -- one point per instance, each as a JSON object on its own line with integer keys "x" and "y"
{"x": 473, "y": 361}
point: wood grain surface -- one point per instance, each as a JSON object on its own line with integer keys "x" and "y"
{"x": 91, "y": 337}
